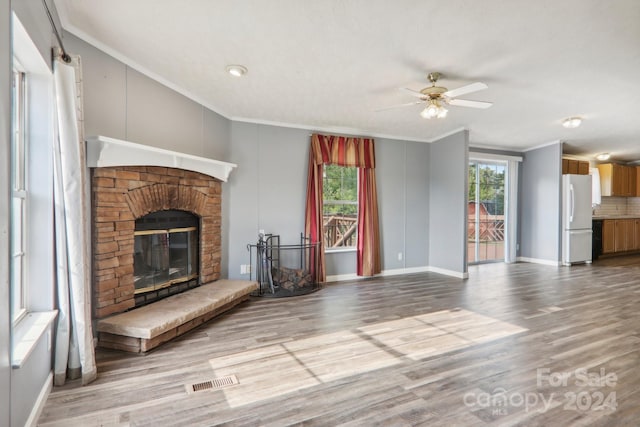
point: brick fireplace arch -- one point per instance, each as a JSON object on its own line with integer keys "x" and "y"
{"x": 123, "y": 194}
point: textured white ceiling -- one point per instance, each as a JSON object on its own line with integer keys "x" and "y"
{"x": 329, "y": 64}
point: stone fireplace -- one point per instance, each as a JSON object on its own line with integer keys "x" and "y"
{"x": 156, "y": 219}
{"x": 156, "y": 243}
{"x": 124, "y": 194}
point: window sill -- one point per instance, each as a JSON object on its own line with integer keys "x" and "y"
{"x": 27, "y": 333}
{"x": 339, "y": 250}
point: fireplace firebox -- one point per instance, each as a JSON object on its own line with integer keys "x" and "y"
{"x": 165, "y": 255}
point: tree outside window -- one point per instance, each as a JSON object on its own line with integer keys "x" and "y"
{"x": 491, "y": 187}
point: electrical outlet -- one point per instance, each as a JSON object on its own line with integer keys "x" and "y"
{"x": 245, "y": 268}
{"x": 399, "y": 256}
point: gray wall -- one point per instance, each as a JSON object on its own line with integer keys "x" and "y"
{"x": 33, "y": 17}
{"x": 5, "y": 200}
{"x": 492, "y": 151}
{"x": 268, "y": 191}
{"x": 402, "y": 177}
{"x": 121, "y": 103}
{"x": 392, "y": 209}
{"x": 28, "y": 381}
{"x": 418, "y": 199}
{"x": 540, "y": 198}
{"x": 448, "y": 202}
{"x": 124, "y": 104}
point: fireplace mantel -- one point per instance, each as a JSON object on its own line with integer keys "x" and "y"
{"x": 109, "y": 152}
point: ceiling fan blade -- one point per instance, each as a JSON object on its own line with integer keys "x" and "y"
{"x": 473, "y": 87}
{"x": 414, "y": 92}
{"x": 467, "y": 103}
{"x": 399, "y": 106}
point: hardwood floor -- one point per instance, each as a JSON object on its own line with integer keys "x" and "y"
{"x": 519, "y": 344}
{"x": 632, "y": 260}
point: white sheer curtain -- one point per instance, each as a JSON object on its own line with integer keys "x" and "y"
{"x": 74, "y": 353}
{"x": 511, "y": 238}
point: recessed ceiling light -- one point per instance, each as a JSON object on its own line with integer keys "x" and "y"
{"x": 572, "y": 122}
{"x": 603, "y": 156}
{"x": 236, "y": 70}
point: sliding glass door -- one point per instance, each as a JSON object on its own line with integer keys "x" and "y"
{"x": 486, "y": 211}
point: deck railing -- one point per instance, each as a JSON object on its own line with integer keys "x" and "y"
{"x": 491, "y": 230}
{"x": 339, "y": 231}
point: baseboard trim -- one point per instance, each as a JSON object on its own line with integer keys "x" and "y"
{"x": 342, "y": 277}
{"x": 539, "y": 261}
{"x": 38, "y": 406}
{"x": 400, "y": 271}
{"x": 445, "y": 272}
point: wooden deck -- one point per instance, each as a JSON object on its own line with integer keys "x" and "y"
{"x": 420, "y": 349}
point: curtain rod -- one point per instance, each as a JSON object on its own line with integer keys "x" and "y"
{"x": 65, "y": 57}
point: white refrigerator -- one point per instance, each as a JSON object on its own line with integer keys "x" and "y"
{"x": 576, "y": 219}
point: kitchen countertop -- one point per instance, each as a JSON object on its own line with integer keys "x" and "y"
{"x": 615, "y": 216}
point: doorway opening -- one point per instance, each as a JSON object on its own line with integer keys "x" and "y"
{"x": 487, "y": 211}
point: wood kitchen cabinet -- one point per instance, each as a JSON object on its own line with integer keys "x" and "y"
{"x": 624, "y": 235}
{"x": 637, "y": 181}
{"x": 583, "y": 168}
{"x": 608, "y": 236}
{"x": 620, "y": 235}
{"x": 576, "y": 167}
{"x": 618, "y": 180}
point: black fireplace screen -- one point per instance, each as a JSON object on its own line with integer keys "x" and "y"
{"x": 165, "y": 250}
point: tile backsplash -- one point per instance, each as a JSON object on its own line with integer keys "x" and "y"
{"x": 618, "y": 206}
{"x": 633, "y": 205}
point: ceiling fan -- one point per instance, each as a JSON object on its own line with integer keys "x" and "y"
{"x": 435, "y": 96}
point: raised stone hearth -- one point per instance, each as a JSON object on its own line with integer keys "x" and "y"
{"x": 147, "y": 327}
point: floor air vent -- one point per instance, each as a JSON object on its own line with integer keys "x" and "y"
{"x": 213, "y": 384}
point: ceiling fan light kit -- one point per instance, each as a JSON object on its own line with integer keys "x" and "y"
{"x": 436, "y": 97}
{"x": 434, "y": 110}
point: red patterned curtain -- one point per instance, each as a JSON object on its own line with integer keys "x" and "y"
{"x": 354, "y": 152}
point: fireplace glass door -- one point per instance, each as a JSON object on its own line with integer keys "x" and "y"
{"x": 164, "y": 256}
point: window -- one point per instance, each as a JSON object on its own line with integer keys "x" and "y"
{"x": 340, "y": 206}
{"x": 32, "y": 264}
{"x": 19, "y": 196}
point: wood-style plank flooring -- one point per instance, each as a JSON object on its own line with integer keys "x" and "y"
{"x": 519, "y": 344}
{"x": 632, "y": 260}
